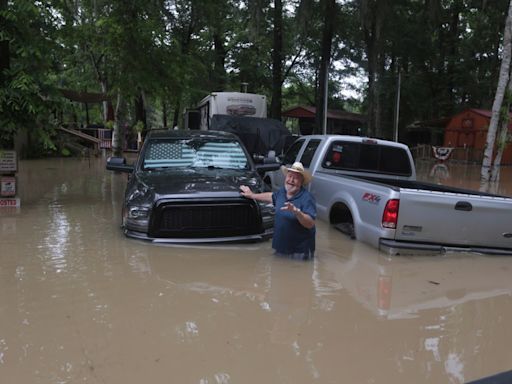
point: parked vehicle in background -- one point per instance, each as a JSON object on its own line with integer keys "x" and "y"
{"x": 232, "y": 104}
{"x": 243, "y": 114}
{"x": 367, "y": 188}
{"x": 184, "y": 188}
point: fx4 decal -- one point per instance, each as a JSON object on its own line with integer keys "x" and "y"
{"x": 371, "y": 198}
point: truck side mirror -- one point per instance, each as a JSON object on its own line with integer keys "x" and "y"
{"x": 258, "y": 159}
{"x": 267, "y": 167}
{"x": 270, "y": 158}
{"x": 119, "y": 164}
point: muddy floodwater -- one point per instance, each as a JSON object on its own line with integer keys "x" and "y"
{"x": 80, "y": 303}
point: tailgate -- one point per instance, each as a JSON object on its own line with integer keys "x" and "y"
{"x": 454, "y": 219}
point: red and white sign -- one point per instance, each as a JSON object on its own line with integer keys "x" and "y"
{"x": 9, "y": 203}
{"x": 7, "y": 186}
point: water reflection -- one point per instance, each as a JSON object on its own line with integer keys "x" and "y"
{"x": 402, "y": 287}
{"x": 464, "y": 176}
{"x": 448, "y": 303}
{"x": 57, "y": 238}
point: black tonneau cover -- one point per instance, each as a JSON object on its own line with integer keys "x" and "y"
{"x": 259, "y": 135}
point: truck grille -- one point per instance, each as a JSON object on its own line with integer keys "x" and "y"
{"x": 205, "y": 219}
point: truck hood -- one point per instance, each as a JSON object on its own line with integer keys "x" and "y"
{"x": 190, "y": 181}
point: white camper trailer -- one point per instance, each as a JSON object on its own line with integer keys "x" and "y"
{"x": 244, "y": 114}
{"x": 231, "y": 104}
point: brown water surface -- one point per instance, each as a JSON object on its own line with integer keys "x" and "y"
{"x": 79, "y": 302}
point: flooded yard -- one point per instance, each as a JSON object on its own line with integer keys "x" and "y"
{"x": 79, "y": 302}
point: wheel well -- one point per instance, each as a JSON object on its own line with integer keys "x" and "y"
{"x": 340, "y": 213}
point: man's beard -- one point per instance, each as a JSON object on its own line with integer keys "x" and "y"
{"x": 291, "y": 189}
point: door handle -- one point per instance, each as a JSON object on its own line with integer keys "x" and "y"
{"x": 463, "y": 206}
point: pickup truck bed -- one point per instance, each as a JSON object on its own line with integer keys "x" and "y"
{"x": 414, "y": 184}
{"x": 440, "y": 218}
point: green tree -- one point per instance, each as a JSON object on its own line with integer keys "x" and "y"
{"x": 500, "y": 110}
{"x": 27, "y": 93}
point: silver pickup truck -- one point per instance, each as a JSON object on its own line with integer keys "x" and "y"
{"x": 367, "y": 188}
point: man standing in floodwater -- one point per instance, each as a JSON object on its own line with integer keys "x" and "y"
{"x": 294, "y": 225}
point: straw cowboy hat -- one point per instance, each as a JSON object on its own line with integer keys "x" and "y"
{"x": 298, "y": 168}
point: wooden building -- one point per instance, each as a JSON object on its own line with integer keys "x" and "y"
{"x": 468, "y": 131}
{"x": 338, "y": 121}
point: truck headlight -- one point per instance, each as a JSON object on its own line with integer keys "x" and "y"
{"x": 138, "y": 213}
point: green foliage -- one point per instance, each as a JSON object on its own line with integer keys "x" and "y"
{"x": 138, "y": 127}
{"x": 174, "y": 53}
{"x": 26, "y": 97}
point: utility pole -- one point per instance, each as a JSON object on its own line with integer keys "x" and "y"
{"x": 397, "y": 106}
{"x": 326, "y": 93}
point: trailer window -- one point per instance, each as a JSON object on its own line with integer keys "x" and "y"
{"x": 368, "y": 158}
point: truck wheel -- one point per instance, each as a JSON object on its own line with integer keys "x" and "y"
{"x": 347, "y": 229}
{"x": 341, "y": 219}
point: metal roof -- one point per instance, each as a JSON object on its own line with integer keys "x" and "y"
{"x": 303, "y": 111}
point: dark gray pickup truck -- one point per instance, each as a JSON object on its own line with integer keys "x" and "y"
{"x": 184, "y": 188}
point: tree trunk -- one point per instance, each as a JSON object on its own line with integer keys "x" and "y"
{"x": 164, "y": 113}
{"x": 502, "y": 135}
{"x": 277, "y": 75}
{"x": 372, "y": 13}
{"x": 378, "y": 87}
{"x": 140, "y": 109}
{"x": 219, "y": 71}
{"x": 117, "y": 134}
{"x": 323, "y": 78}
{"x": 104, "y": 89}
{"x": 176, "y": 118}
{"x": 504, "y": 79}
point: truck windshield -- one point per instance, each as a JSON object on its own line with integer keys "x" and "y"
{"x": 368, "y": 158}
{"x": 195, "y": 153}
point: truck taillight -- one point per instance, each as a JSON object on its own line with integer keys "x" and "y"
{"x": 390, "y": 215}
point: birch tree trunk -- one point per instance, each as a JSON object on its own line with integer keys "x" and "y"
{"x": 504, "y": 78}
{"x": 502, "y": 134}
{"x": 104, "y": 103}
{"x": 117, "y": 134}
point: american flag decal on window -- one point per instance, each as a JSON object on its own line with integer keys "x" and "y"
{"x": 168, "y": 155}
{"x": 164, "y": 151}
